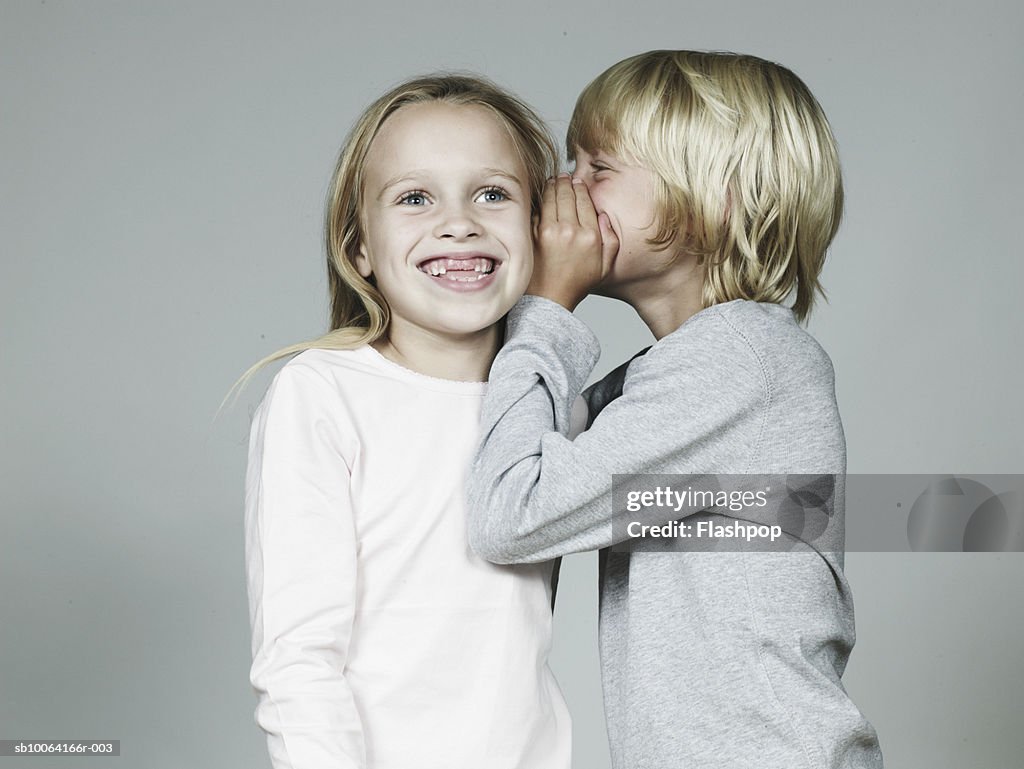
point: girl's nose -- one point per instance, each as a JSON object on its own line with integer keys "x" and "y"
{"x": 458, "y": 223}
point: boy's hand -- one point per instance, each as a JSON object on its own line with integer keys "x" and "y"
{"x": 575, "y": 247}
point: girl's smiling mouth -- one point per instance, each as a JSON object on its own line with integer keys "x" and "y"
{"x": 460, "y": 270}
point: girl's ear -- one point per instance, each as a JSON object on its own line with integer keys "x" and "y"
{"x": 362, "y": 262}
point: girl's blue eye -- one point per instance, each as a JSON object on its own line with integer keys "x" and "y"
{"x": 494, "y": 195}
{"x": 413, "y": 199}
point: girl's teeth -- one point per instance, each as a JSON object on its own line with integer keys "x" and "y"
{"x": 479, "y": 266}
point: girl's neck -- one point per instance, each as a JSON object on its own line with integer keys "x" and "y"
{"x": 460, "y": 358}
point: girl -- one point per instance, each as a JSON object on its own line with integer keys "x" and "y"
{"x": 379, "y": 639}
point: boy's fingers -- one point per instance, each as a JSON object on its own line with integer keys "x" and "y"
{"x": 609, "y": 244}
{"x": 548, "y": 211}
{"x": 566, "y": 199}
{"x": 584, "y": 205}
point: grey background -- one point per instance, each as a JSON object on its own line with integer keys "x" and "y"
{"x": 164, "y": 167}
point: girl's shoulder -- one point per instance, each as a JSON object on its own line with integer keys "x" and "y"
{"x": 322, "y": 375}
{"x": 364, "y": 369}
{"x": 324, "y": 361}
{"x": 319, "y": 363}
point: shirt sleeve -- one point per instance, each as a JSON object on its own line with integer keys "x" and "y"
{"x": 301, "y": 571}
{"x": 534, "y": 494}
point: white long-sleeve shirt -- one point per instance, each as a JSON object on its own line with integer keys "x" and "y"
{"x": 379, "y": 639}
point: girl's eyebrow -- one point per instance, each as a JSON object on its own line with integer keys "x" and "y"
{"x": 405, "y": 177}
{"x": 418, "y": 174}
{"x": 504, "y": 175}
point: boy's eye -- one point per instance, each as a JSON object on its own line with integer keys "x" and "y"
{"x": 493, "y": 195}
{"x": 414, "y": 198}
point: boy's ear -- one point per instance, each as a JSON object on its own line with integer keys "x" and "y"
{"x": 362, "y": 262}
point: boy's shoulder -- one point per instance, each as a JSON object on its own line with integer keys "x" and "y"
{"x": 739, "y": 319}
{"x": 741, "y": 329}
{"x": 750, "y": 349}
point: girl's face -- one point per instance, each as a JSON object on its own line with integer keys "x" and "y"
{"x": 446, "y": 219}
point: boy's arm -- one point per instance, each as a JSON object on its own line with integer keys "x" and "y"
{"x": 301, "y": 571}
{"x": 533, "y": 493}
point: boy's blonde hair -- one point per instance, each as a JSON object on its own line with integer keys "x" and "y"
{"x": 747, "y": 168}
{"x": 359, "y": 313}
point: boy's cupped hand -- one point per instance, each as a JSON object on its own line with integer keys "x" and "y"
{"x": 576, "y": 247}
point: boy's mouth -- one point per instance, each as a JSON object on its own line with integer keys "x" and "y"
{"x": 464, "y": 268}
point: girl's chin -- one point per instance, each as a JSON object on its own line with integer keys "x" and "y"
{"x": 469, "y": 329}
{"x": 462, "y": 328}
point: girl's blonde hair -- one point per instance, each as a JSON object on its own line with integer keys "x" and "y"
{"x": 359, "y": 313}
{"x": 747, "y": 167}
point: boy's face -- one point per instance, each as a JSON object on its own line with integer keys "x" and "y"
{"x": 626, "y": 193}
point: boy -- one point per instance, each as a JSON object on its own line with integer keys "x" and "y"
{"x": 706, "y": 192}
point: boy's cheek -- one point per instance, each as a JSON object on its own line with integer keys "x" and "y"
{"x": 598, "y": 199}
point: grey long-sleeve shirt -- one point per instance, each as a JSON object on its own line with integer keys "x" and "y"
{"x": 709, "y": 659}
